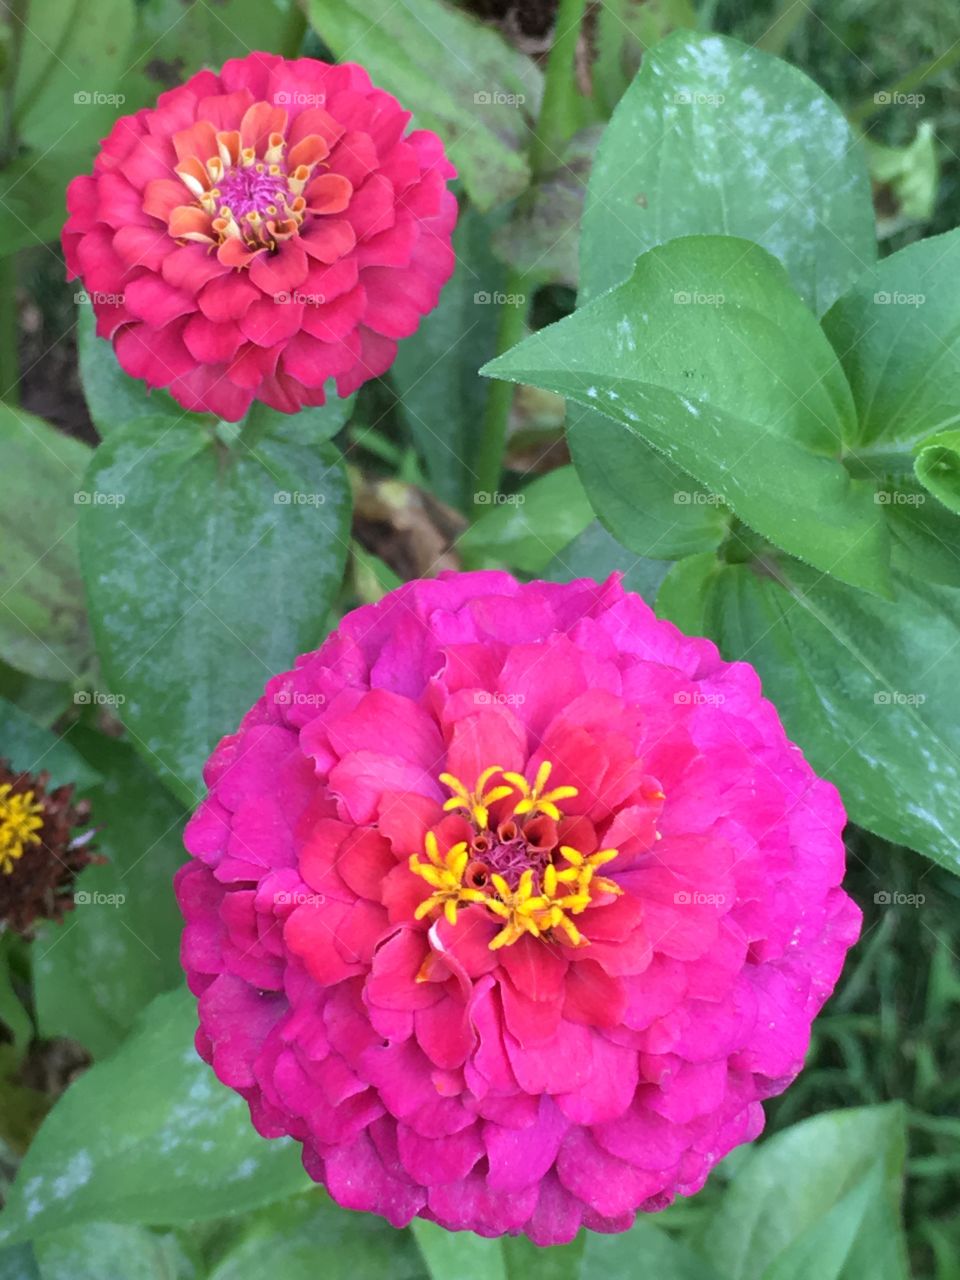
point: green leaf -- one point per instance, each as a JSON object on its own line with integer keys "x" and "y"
{"x": 867, "y": 689}
{"x": 18, "y": 1264}
{"x": 926, "y": 536}
{"x": 897, "y": 335}
{"x": 595, "y": 554}
{"x": 938, "y": 467}
{"x": 149, "y": 1136}
{"x": 458, "y": 77}
{"x": 29, "y": 746}
{"x": 208, "y": 571}
{"x": 72, "y": 58}
{"x": 108, "y": 1251}
{"x": 525, "y": 530}
{"x": 646, "y": 501}
{"x": 290, "y": 1240}
{"x": 13, "y": 1015}
{"x": 118, "y": 948}
{"x": 544, "y": 1262}
{"x": 43, "y": 626}
{"x": 714, "y": 137}
{"x": 458, "y": 1255}
{"x": 820, "y": 1198}
{"x": 731, "y": 379}
{"x": 435, "y": 372}
{"x": 616, "y": 1257}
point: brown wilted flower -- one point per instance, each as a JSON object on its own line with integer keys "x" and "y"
{"x": 40, "y": 854}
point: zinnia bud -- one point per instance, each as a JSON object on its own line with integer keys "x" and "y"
{"x": 260, "y": 231}
{"x": 41, "y": 853}
{"x": 511, "y": 903}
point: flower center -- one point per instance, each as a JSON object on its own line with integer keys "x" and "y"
{"x": 247, "y": 189}
{"x": 513, "y": 862}
{"x": 21, "y": 817}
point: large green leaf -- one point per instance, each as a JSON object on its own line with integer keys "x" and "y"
{"x": 647, "y": 502}
{"x": 867, "y": 688}
{"x": 310, "y": 1236}
{"x": 73, "y": 55}
{"x": 730, "y": 377}
{"x": 118, "y": 948}
{"x": 216, "y": 569}
{"x": 716, "y": 137}
{"x": 458, "y": 1256}
{"x": 525, "y": 530}
{"x": 897, "y": 334}
{"x": 43, "y": 625}
{"x": 435, "y": 372}
{"x": 458, "y": 77}
{"x": 148, "y": 1136}
{"x": 110, "y": 1251}
{"x": 821, "y": 1199}
{"x": 617, "y": 1257}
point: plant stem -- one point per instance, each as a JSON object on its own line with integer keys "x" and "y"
{"x": 9, "y": 331}
{"x": 906, "y": 84}
{"x": 547, "y": 140}
{"x": 790, "y": 14}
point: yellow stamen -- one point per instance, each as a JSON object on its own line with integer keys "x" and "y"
{"x": 477, "y": 803}
{"x": 533, "y": 799}
{"x": 21, "y": 817}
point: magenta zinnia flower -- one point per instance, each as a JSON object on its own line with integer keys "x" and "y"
{"x": 260, "y": 231}
{"x": 511, "y": 903}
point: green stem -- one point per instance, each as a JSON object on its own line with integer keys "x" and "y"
{"x": 9, "y": 331}
{"x": 790, "y": 14}
{"x": 906, "y": 84}
{"x": 548, "y": 137}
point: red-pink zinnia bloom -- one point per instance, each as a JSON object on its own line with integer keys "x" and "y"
{"x": 260, "y": 231}
{"x": 511, "y": 903}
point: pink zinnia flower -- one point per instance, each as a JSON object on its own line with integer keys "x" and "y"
{"x": 511, "y": 903}
{"x": 260, "y": 231}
